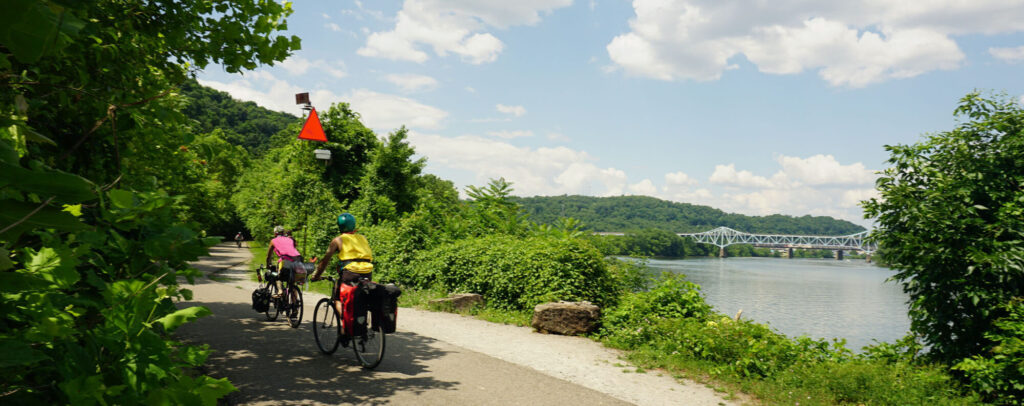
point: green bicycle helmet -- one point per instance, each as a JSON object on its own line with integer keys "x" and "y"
{"x": 346, "y": 222}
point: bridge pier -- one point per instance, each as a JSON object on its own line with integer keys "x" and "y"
{"x": 839, "y": 255}
{"x": 721, "y": 252}
{"x": 790, "y": 253}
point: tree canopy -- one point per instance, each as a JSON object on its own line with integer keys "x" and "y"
{"x": 951, "y": 216}
{"x": 95, "y": 171}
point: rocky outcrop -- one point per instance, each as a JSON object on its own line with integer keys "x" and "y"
{"x": 566, "y": 318}
{"x": 457, "y": 302}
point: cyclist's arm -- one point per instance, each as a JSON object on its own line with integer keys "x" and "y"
{"x": 270, "y": 253}
{"x": 331, "y": 250}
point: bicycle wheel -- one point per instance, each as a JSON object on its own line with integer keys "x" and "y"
{"x": 326, "y": 326}
{"x": 295, "y": 307}
{"x": 369, "y": 348}
{"x": 275, "y": 304}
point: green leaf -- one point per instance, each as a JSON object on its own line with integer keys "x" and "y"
{"x": 29, "y": 29}
{"x": 211, "y": 389}
{"x": 5, "y": 260}
{"x": 122, "y": 198}
{"x": 174, "y": 320}
{"x": 21, "y": 282}
{"x": 33, "y": 135}
{"x": 47, "y": 217}
{"x": 15, "y": 353}
{"x": 47, "y": 182}
{"x": 74, "y": 209}
{"x": 48, "y": 264}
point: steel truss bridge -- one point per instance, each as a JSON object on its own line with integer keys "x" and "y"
{"x": 725, "y": 236}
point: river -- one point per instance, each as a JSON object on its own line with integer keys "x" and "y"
{"x": 820, "y": 298}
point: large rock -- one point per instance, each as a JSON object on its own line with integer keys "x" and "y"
{"x": 566, "y": 318}
{"x": 457, "y": 302}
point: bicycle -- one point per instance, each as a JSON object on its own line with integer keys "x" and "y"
{"x": 290, "y": 303}
{"x": 368, "y": 340}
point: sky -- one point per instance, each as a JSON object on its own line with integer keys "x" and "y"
{"x": 753, "y": 107}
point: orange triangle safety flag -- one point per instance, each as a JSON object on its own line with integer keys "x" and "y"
{"x": 312, "y": 130}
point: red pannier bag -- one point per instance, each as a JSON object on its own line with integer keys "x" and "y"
{"x": 347, "y": 296}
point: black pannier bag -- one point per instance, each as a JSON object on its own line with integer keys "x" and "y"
{"x": 260, "y": 300}
{"x": 385, "y": 306}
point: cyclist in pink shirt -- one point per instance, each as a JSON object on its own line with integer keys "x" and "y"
{"x": 287, "y": 255}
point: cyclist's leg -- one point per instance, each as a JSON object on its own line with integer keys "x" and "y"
{"x": 277, "y": 282}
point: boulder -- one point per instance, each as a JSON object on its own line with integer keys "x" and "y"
{"x": 566, "y": 318}
{"x": 457, "y": 302}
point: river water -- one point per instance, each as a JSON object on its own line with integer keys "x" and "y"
{"x": 820, "y": 298}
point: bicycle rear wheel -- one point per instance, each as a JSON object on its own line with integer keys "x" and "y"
{"x": 369, "y": 348}
{"x": 275, "y": 304}
{"x": 295, "y": 308}
{"x": 326, "y": 326}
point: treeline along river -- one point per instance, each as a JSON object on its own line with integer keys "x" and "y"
{"x": 819, "y": 298}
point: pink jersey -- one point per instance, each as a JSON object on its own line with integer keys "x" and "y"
{"x": 284, "y": 246}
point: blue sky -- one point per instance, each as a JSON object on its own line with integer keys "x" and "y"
{"x": 751, "y": 107}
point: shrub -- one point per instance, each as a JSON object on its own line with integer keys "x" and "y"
{"x": 951, "y": 218}
{"x": 999, "y": 374}
{"x": 672, "y": 297}
{"x": 515, "y": 273}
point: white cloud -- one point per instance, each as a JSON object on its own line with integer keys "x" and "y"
{"x": 558, "y": 137}
{"x": 333, "y": 27}
{"x": 511, "y": 134}
{"x": 791, "y": 190}
{"x": 517, "y": 111}
{"x": 325, "y": 16}
{"x": 817, "y": 185}
{"x": 852, "y": 43}
{"x": 470, "y": 89}
{"x": 385, "y": 112}
{"x": 268, "y": 91}
{"x": 825, "y": 170}
{"x": 297, "y": 66}
{"x": 410, "y": 83}
{"x": 379, "y": 111}
{"x": 644, "y": 187}
{"x": 1011, "y": 55}
{"x": 679, "y": 179}
{"x": 453, "y": 26}
{"x": 533, "y": 171}
{"x": 727, "y": 175}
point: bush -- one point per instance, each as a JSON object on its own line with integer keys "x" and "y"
{"x": 514, "y": 273}
{"x": 951, "y": 218}
{"x": 88, "y": 313}
{"x": 672, "y": 297}
{"x": 999, "y": 374}
{"x": 672, "y": 327}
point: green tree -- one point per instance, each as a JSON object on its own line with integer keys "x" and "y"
{"x": 88, "y": 268}
{"x": 287, "y": 187}
{"x": 951, "y": 218}
{"x": 493, "y": 210}
{"x": 391, "y": 181}
{"x": 351, "y": 144}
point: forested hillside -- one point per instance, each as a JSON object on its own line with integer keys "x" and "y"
{"x": 627, "y": 213}
{"x": 242, "y": 123}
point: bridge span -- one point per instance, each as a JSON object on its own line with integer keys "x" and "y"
{"x": 725, "y": 236}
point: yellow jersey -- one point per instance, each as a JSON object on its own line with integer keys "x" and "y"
{"x": 356, "y": 249}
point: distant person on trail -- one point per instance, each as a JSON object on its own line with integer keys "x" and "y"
{"x": 238, "y": 239}
{"x": 353, "y": 251}
{"x": 287, "y": 256}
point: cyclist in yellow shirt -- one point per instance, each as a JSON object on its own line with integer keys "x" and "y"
{"x": 352, "y": 250}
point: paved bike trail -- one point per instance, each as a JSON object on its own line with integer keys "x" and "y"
{"x": 433, "y": 358}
